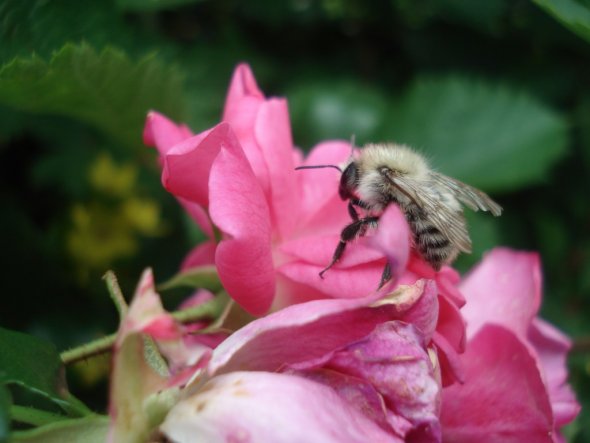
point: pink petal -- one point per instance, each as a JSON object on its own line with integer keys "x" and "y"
{"x": 238, "y": 208}
{"x": 202, "y": 254}
{"x": 267, "y": 407}
{"x": 242, "y": 105}
{"x": 451, "y": 324}
{"x": 162, "y": 133}
{"x": 318, "y": 250}
{"x": 146, "y": 312}
{"x": 505, "y": 289}
{"x": 393, "y": 239}
{"x": 188, "y": 164}
{"x": 199, "y": 297}
{"x": 243, "y": 84}
{"x": 318, "y": 187}
{"x": 273, "y": 134}
{"x": 327, "y": 324}
{"x": 447, "y": 280}
{"x": 503, "y": 399}
{"x": 552, "y": 347}
{"x": 352, "y": 282}
{"x": 450, "y": 363}
{"x": 198, "y": 214}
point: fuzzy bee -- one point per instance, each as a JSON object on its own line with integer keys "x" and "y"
{"x": 431, "y": 202}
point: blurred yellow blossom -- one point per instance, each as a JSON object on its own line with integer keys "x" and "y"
{"x": 110, "y": 225}
{"x": 109, "y": 178}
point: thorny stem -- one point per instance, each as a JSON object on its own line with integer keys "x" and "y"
{"x": 211, "y": 309}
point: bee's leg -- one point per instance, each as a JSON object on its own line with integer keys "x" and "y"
{"x": 386, "y": 276}
{"x": 356, "y": 229}
{"x": 352, "y": 211}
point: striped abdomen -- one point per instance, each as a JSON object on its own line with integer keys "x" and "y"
{"x": 431, "y": 243}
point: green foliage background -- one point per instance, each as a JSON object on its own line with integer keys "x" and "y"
{"x": 496, "y": 93}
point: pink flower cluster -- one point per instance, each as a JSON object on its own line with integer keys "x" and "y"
{"x": 433, "y": 358}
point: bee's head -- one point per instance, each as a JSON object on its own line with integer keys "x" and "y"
{"x": 348, "y": 181}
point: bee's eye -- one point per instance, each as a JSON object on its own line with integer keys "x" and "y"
{"x": 348, "y": 182}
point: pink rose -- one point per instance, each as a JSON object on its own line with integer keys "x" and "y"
{"x": 279, "y": 227}
{"x": 515, "y": 386}
{"x": 273, "y": 229}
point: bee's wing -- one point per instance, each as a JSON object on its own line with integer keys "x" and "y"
{"x": 446, "y": 219}
{"x": 468, "y": 195}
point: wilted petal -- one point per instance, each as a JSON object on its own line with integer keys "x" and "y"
{"x": 327, "y": 324}
{"x": 394, "y": 359}
{"x": 268, "y": 407}
{"x": 503, "y": 399}
{"x": 504, "y": 289}
{"x": 163, "y": 133}
{"x": 416, "y": 304}
{"x": 238, "y": 208}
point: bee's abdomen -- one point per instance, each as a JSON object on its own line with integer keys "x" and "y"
{"x": 432, "y": 244}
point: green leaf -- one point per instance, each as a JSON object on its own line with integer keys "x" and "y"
{"x": 151, "y": 5}
{"x": 573, "y": 14}
{"x": 30, "y": 362}
{"x": 91, "y": 429}
{"x": 36, "y": 366}
{"x": 326, "y": 110}
{"x": 490, "y": 136}
{"x": 106, "y": 90}
{"x": 201, "y": 277}
{"x": 485, "y": 235}
{"x": 4, "y": 414}
{"x": 33, "y": 416}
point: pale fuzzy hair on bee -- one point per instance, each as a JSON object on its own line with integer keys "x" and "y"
{"x": 395, "y": 157}
{"x": 402, "y": 160}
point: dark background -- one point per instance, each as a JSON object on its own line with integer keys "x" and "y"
{"x": 496, "y": 93}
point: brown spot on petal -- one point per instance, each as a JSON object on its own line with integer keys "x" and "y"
{"x": 241, "y": 393}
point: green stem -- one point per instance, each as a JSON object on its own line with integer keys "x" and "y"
{"x": 211, "y": 309}
{"x": 32, "y": 416}
{"x": 115, "y": 293}
{"x": 87, "y": 350}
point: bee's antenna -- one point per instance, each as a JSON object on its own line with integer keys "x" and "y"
{"x": 352, "y": 143}
{"x": 318, "y": 167}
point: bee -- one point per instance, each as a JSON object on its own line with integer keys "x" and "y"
{"x": 431, "y": 202}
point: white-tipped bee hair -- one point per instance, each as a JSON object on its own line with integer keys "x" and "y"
{"x": 431, "y": 202}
